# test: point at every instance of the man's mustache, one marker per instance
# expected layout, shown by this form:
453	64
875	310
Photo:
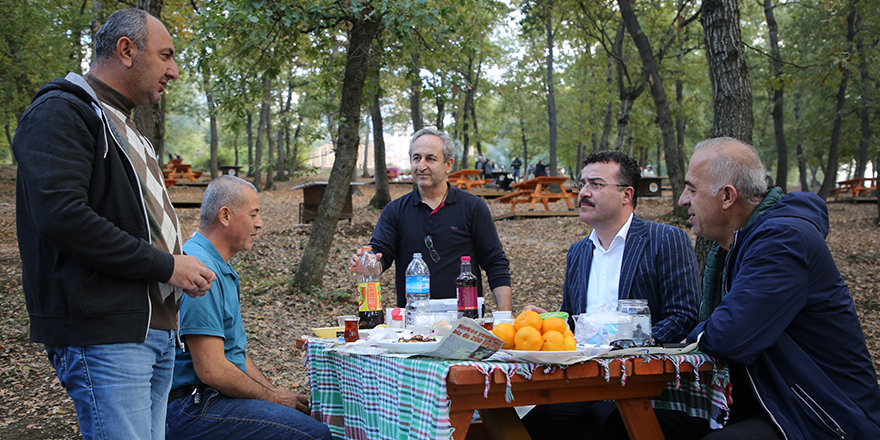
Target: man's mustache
586	201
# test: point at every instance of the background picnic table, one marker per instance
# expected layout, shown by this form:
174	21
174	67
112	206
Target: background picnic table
34	406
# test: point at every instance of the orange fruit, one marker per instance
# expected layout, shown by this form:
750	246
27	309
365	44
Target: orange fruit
528	318
507	333
570	343
553	341
554	323
527	338
568	332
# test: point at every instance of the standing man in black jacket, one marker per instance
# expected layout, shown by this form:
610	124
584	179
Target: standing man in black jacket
100	244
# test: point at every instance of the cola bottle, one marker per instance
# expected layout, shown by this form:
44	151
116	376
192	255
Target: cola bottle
466	290
369	290
418	288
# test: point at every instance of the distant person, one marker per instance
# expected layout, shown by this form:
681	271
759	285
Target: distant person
489	170
100	244
479	166
442	223
218	391
516	164
530	172
775	307
648	171
624	257
540	169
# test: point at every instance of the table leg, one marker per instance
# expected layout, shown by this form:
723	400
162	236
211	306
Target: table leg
639	419
504	424
461	422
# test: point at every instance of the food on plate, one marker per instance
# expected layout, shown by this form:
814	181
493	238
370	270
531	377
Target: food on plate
528	318
528	338
418	338
506	333
532	333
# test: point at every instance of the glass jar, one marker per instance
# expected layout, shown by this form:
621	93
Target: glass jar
641	317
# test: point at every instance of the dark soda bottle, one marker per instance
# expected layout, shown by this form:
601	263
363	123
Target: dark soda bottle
370	309
466	290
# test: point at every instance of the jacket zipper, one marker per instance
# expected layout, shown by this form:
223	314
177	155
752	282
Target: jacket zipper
761	401
110	128
820	413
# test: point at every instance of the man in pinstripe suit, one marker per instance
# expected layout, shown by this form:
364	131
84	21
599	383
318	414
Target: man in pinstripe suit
624	257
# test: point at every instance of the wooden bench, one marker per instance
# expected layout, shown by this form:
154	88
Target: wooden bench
856	187
537	190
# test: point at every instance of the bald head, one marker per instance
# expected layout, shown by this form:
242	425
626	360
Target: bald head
733	162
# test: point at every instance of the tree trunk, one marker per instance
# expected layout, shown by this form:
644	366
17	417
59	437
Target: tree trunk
214	134
258	148
270	160
831	168
661	104
801	159
310	272
366	173
865	111
551	95
525	145
382	196
609	107
728	73
250	142
680	124
415	97
778	94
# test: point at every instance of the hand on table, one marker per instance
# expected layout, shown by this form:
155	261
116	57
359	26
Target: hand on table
535	309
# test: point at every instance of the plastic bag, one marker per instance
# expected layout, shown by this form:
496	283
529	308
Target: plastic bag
602	326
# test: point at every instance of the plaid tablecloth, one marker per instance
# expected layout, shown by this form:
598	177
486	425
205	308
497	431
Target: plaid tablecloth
381	397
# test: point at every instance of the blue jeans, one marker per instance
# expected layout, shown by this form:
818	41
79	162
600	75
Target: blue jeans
120	391
515	175
211	415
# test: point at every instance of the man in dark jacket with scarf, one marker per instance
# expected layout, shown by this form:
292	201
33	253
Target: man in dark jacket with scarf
102	268
775	307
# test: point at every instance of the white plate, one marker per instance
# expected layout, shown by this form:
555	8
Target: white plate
408	347
556	357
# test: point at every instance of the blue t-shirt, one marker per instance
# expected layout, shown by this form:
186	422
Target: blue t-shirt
218	313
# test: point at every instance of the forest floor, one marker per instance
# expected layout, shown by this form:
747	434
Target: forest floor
34	406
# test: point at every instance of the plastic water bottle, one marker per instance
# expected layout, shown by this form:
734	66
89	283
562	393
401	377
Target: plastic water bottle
466	291
369	290
641	316
418	291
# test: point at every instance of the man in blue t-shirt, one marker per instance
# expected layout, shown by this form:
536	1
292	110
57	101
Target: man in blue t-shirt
218	391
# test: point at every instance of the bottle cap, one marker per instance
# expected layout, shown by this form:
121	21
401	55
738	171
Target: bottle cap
417	255
465	258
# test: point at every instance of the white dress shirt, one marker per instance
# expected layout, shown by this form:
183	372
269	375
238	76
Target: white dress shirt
604	282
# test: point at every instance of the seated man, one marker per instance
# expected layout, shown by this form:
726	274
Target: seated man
775	307
624	257
218	391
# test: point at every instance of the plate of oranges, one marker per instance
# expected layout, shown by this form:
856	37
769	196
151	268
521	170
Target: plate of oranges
532	338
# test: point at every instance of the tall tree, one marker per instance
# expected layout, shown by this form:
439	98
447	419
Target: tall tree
830	178
778	97
729	75
661	103
382	195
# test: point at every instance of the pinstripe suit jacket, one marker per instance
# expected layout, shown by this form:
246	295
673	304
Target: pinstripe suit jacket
658	265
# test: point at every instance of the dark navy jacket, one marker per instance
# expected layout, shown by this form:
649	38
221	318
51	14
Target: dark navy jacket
658	265
789	318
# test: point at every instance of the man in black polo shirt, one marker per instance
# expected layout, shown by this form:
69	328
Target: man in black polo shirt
442	223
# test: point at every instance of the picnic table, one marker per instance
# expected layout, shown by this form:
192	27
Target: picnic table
466	179
389	397
175	169
855	186
539	189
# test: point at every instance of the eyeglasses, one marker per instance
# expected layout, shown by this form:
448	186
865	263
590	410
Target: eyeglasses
429	242
594	185
623	344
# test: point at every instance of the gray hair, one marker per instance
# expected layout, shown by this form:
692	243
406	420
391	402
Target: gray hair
448	143
745	172
131	23
223	191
